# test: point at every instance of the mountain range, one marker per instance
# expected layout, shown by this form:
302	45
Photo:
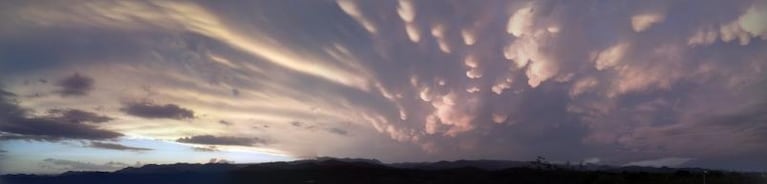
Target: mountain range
345	170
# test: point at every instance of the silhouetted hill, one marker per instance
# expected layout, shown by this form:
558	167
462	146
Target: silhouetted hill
332	170
180	168
480	164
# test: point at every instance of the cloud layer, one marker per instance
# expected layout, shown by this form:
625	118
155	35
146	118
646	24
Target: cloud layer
399	80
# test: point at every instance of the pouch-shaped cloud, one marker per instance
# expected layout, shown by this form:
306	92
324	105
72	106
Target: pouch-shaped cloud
413	32
643	21
351	8
499	118
406	10
455	112
610	56
521	22
753	21
468	37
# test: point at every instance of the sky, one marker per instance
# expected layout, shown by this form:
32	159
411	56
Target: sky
101	85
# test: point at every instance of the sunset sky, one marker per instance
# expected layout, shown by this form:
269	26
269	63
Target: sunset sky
101	85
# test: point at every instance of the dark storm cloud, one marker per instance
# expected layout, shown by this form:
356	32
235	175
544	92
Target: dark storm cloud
18	124
78	116
51	129
75	85
221	140
155	111
115	146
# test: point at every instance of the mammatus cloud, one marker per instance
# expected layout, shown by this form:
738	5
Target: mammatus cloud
353	10
75	85
154	111
222	140
115	146
643	21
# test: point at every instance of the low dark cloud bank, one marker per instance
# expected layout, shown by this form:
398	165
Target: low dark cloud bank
115	146
221	140
79	116
17	123
157	111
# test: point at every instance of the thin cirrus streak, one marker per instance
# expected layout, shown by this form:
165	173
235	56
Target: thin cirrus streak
429	79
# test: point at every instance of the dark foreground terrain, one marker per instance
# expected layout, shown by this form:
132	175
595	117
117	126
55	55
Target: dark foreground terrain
371	171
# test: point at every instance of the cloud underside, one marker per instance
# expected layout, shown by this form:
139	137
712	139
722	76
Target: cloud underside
436	80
